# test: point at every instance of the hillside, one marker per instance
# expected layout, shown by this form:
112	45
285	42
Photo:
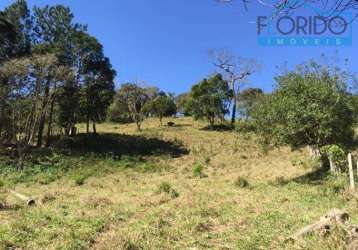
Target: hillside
178	187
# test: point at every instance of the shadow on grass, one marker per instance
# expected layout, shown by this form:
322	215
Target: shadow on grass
118	144
316	177
179	125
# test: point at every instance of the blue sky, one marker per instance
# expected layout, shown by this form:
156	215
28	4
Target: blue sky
166	42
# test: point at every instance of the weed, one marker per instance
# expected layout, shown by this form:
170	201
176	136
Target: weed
198	171
79	179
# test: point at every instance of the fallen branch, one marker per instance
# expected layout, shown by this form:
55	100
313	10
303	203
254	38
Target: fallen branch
324	225
29	201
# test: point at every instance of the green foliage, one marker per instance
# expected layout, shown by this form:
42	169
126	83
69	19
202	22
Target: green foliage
131	99
79	179
308	107
198	171
245	126
210	99
161	106
247	99
335	153
181	102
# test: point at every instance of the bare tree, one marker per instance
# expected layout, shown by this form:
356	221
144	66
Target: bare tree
236	70
284	7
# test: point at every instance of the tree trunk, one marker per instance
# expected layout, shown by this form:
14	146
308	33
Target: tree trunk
87	124
138	125
49	128
41	130
94	128
43	115
332	166
233	115
20	154
212	121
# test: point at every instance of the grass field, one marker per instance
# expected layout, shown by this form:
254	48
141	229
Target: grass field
178	187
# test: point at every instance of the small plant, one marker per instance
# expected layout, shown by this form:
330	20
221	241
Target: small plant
79	179
241	182
198	171
166	187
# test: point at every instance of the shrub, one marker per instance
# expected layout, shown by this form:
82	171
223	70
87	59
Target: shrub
336	154
309	106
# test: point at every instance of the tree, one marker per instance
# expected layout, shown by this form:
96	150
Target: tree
133	99
15	32
55	32
28	78
286	7
180	102
97	89
161	106
308	107
210	99
236	71
246	100
16	40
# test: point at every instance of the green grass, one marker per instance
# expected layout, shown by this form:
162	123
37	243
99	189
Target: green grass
103	195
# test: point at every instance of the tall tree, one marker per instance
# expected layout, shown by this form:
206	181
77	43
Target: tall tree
15	34
236	71
54	32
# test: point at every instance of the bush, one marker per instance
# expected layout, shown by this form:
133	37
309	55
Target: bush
308	107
